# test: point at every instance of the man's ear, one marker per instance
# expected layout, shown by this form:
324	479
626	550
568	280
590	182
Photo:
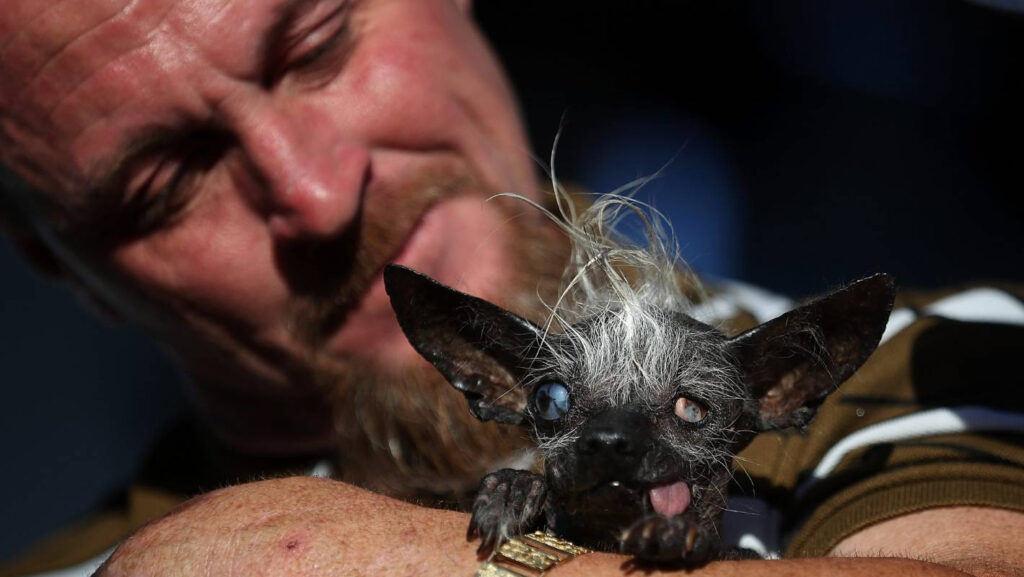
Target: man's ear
482	349
793	362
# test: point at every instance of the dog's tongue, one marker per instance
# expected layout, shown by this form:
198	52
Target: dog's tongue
670	500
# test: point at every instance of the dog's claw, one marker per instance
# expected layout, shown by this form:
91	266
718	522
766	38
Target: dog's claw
661	539
473	530
484	547
509	503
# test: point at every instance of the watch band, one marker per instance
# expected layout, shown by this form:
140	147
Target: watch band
529	556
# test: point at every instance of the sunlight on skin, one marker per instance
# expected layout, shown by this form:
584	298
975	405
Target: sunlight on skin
304	526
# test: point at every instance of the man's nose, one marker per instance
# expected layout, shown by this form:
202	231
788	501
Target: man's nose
312	179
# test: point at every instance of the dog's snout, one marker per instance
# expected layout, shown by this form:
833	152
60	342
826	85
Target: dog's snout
615	434
615	441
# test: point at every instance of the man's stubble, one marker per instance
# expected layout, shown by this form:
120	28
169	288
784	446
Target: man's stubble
404	430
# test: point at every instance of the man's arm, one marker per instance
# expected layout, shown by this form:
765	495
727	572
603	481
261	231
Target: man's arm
980	541
309	526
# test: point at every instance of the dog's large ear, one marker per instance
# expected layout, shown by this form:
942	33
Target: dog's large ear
482	349
793	362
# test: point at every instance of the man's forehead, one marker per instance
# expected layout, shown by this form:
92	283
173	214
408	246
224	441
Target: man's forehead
82	75
39	36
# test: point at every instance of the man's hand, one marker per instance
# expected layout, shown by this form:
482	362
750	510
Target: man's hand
310	526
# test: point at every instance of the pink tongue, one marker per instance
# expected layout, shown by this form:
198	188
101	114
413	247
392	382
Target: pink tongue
670	500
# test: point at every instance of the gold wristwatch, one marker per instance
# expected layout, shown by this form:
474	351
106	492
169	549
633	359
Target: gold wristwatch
529	556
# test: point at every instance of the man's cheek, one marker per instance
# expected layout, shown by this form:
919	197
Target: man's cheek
399	71
399	92
212	262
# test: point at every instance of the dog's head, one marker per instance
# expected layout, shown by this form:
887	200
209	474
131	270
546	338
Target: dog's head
639	409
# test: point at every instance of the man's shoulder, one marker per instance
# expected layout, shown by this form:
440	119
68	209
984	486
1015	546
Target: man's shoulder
928	421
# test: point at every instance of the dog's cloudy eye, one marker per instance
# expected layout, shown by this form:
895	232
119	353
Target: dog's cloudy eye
690	411
551	401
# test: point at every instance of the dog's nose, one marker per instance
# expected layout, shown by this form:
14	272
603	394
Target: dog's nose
618	442
615	434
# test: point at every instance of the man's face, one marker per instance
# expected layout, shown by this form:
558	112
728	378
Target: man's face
234	175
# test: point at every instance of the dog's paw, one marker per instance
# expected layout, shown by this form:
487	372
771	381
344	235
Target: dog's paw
509	503
660	539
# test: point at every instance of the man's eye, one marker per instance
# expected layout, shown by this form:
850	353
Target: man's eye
165	177
152	200
317	45
162	192
309	53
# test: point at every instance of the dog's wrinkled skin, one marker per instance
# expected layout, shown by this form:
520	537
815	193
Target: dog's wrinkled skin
638	413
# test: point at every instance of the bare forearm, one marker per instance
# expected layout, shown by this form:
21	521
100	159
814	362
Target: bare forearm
296	526
305	526
606	564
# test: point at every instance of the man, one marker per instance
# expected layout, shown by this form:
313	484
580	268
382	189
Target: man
286	297
233	177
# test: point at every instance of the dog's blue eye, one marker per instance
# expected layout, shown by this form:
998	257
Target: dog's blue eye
551	401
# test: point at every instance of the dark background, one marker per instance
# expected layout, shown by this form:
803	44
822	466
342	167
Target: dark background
799	144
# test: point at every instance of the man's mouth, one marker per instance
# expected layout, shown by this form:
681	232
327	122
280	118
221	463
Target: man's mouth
451	237
349	272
